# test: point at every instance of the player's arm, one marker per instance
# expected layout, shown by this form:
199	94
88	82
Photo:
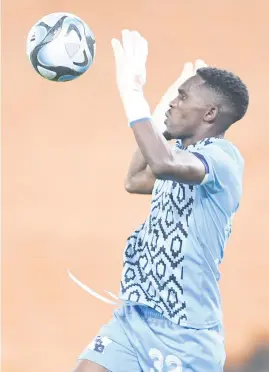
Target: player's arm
130	57
140	179
164	162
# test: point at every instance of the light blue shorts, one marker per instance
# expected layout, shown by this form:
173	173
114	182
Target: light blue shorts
140	339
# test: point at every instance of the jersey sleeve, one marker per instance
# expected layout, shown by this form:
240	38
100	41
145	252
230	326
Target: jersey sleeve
223	167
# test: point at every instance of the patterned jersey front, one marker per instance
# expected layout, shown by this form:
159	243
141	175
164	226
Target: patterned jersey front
171	260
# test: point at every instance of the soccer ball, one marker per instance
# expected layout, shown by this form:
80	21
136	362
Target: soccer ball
61	47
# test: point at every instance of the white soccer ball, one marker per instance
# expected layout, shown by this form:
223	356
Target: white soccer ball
61	47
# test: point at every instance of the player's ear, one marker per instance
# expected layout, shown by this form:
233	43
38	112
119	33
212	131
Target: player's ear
211	114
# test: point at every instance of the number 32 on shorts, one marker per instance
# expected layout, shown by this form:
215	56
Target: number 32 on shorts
169	363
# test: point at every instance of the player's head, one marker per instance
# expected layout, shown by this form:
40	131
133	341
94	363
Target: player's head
207	104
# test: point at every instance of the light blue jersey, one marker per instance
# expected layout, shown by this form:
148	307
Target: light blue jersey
171	261
170	318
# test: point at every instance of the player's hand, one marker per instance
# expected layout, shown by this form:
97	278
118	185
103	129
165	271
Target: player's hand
130	59
188	71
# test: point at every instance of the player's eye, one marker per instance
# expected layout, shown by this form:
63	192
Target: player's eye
182	97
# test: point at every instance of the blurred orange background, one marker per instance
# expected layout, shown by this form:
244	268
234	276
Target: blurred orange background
66	149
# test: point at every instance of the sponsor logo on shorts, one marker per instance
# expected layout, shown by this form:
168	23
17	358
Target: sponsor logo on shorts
99	344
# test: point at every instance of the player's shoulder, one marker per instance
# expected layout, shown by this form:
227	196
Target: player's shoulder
230	149
222	150
224	162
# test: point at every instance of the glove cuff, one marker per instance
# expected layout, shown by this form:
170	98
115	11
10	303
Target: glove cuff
136	107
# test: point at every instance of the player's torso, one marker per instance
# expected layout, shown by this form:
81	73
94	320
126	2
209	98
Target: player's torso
171	261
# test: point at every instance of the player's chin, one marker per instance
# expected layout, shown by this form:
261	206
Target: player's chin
168	124
167	135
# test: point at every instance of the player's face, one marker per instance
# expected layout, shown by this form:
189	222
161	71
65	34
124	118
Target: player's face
187	110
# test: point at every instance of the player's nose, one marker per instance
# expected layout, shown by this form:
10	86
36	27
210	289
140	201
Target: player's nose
173	103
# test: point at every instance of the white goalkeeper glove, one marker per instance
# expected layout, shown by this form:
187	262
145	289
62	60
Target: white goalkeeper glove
130	59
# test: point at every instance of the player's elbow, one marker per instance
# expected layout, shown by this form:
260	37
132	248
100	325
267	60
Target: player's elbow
141	183
129	186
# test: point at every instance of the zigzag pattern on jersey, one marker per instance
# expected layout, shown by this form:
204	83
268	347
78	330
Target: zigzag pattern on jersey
153	271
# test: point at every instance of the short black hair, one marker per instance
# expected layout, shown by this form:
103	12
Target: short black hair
230	87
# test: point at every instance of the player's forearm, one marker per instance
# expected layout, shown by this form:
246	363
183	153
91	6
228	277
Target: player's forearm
164	163
137	164
153	146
